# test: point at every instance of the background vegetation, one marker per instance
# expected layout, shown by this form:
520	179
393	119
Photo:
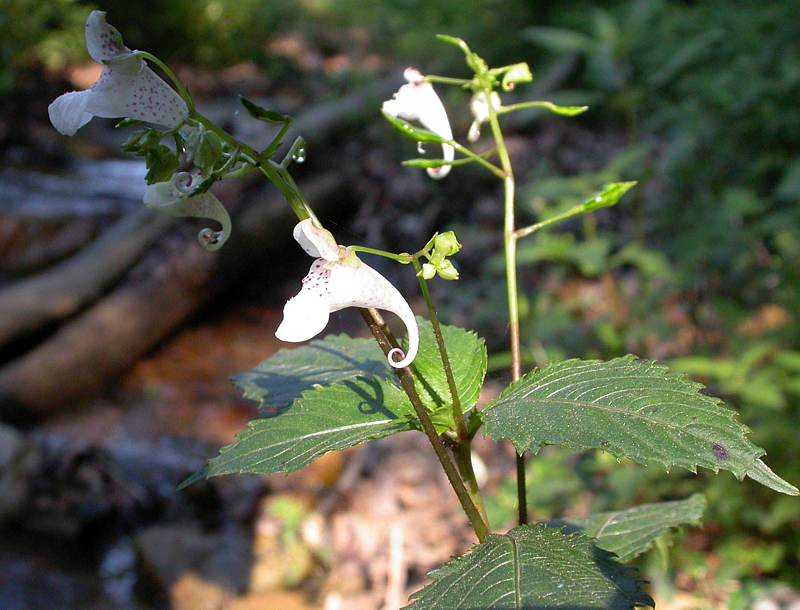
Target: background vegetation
701	266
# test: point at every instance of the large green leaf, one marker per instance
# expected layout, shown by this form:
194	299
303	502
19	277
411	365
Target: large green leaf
340	392
629	407
328	419
467	352
628	533
279	380
533	566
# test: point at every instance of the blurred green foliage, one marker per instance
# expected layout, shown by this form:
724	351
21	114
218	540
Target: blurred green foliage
699	264
702	267
36	34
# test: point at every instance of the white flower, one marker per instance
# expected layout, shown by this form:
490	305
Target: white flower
480	112
126	88
417	101
339	279
172	197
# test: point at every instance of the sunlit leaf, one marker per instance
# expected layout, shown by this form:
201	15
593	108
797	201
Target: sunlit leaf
629	407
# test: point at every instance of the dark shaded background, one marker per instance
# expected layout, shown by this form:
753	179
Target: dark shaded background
698	266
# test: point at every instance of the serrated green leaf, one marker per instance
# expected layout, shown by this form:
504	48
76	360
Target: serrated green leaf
262	114
609	196
279	380
533	566
629	533
628	407
282	378
339	416
467	352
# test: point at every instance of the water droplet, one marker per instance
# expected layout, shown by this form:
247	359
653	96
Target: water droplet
299	155
420	148
598	199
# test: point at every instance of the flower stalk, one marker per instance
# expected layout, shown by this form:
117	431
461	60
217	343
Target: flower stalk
512	293
407	382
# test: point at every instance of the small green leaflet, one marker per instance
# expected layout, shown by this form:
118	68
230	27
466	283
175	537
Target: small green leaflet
262	114
630	532
414	133
608	197
533	566
628	407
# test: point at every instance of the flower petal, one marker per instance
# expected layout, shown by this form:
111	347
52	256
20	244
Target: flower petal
306	314
356	284
103	41
315	241
68	112
169	197
128	88
480	111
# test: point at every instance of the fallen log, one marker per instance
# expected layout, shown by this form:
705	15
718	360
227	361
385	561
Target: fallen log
164	288
64	289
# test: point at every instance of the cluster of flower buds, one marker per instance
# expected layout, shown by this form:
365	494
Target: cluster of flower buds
437	252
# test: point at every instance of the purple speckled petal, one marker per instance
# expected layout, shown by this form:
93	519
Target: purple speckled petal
103	41
130	89
306	314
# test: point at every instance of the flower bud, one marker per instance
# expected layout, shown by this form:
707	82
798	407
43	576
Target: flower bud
447	271
446	244
428	271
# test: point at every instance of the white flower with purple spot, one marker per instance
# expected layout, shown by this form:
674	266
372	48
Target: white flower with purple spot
174	197
339	279
126	88
417	101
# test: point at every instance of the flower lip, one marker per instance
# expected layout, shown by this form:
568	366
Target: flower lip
173	197
341	280
418	101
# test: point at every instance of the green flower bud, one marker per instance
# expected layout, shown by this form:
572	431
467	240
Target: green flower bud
447	271
446	244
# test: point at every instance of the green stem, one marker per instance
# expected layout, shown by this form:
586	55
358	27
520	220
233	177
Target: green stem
455	400
407	381
402	258
510	243
463	454
274	173
477	158
447	80
529	230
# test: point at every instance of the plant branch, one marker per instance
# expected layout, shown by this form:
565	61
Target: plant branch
510	243
402	258
407	382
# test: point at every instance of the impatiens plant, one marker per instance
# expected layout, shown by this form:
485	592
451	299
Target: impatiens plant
339	392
